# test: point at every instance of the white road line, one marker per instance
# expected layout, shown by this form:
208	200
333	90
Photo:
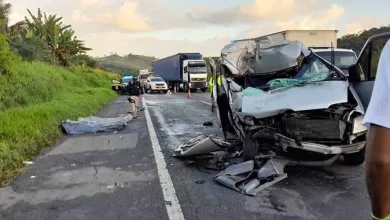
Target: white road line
171	202
205	103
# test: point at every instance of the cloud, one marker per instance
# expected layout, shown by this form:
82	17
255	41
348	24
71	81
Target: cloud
363	23
253	12
152	46
128	19
78	16
90	2
317	20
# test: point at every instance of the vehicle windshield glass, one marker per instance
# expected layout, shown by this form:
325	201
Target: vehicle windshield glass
197	67
127	79
156	79
313	69
342	59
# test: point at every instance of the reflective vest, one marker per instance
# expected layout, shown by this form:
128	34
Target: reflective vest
211	83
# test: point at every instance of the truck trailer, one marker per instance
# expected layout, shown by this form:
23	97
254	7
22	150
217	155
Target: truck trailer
183	71
310	38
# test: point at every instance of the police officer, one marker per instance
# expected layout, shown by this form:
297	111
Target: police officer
135	91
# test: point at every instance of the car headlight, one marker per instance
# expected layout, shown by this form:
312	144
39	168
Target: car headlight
357	125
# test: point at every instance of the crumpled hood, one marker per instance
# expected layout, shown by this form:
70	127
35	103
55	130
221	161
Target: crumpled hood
300	98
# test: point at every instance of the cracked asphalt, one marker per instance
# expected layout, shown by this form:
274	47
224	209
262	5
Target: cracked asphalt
113	175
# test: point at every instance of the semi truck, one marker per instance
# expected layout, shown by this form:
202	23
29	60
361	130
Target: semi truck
309	38
183	71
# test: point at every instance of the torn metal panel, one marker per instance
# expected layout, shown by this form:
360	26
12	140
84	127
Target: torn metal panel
272	168
237	169
197	146
232	182
266	185
272	103
273	58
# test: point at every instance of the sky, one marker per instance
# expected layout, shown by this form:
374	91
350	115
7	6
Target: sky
164	27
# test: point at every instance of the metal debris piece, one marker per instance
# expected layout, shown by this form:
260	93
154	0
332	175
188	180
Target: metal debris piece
251	185
244	178
32	177
237	169
28	162
208	123
200	182
197	146
232	182
266	185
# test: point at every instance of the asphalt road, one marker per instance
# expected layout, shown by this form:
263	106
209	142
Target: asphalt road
123	176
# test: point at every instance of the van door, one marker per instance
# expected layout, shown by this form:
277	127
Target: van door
364	71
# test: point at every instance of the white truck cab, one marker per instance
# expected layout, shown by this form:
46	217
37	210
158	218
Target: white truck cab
195	74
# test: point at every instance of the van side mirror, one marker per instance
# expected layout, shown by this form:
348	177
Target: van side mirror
354	74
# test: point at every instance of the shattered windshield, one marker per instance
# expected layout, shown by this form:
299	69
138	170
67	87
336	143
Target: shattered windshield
342	59
312	69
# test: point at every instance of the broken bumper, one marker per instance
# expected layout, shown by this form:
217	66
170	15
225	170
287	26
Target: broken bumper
286	142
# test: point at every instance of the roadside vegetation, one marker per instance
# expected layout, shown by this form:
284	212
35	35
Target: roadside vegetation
45	77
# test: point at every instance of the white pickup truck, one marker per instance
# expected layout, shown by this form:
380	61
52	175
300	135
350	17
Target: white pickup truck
343	58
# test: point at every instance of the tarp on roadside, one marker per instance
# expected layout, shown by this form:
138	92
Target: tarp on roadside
94	124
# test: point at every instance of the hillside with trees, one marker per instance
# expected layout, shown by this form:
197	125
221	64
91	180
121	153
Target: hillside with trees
46	77
125	64
356	41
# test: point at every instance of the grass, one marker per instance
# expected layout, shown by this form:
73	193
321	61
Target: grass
35	100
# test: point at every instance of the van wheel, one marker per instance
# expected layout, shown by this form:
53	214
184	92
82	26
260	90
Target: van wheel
355	159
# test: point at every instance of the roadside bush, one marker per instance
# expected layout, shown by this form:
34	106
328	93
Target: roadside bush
8	60
33	102
31	49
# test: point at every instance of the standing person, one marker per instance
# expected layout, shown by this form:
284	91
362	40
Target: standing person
211	83
134	92
141	91
377	118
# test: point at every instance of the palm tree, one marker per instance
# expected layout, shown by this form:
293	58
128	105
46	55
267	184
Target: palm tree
5	10
60	38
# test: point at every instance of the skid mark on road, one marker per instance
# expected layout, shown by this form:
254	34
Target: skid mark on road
171	202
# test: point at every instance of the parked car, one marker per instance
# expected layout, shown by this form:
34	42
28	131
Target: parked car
125	80
307	109
156	84
115	84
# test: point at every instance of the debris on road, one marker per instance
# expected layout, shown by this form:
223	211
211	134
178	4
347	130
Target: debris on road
141	108
247	177
208	123
200	182
32	177
94	124
28	162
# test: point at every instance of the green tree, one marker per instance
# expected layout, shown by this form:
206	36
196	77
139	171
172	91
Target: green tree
5	10
60	38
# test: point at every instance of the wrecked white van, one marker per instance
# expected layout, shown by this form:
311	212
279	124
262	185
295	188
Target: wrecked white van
287	100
